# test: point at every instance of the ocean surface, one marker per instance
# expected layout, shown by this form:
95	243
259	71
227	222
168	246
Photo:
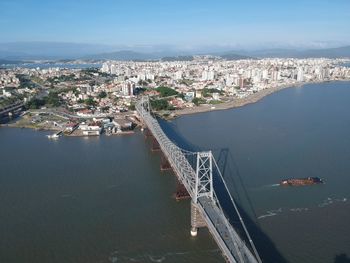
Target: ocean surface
297	132
105	199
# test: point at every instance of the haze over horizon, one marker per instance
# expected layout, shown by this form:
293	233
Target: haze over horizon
176	25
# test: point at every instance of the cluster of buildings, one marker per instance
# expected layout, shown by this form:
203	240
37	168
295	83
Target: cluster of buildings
111	91
238	78
8	79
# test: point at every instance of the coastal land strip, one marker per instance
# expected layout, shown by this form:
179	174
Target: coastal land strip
238	102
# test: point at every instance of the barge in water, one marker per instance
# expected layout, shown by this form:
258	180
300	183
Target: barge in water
301	181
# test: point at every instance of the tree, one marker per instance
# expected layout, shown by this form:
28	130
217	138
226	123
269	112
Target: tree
52	99
198	101
102	95
166	91
161	104
76	91
208	92
90	102
35	103
132	107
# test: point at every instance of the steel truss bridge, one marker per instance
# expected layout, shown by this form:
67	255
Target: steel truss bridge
195	171
11	107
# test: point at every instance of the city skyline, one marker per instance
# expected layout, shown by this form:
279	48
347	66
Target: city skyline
178	24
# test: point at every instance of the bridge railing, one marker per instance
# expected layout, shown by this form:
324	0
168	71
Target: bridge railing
174	154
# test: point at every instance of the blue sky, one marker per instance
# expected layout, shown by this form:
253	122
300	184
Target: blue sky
181	23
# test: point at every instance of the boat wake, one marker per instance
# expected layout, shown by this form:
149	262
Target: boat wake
330	201
270	213
117	256
326	202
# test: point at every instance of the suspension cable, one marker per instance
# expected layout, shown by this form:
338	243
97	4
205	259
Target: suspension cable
239	215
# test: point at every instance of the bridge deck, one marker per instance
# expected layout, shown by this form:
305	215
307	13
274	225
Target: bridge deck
228	240
224	234
11	108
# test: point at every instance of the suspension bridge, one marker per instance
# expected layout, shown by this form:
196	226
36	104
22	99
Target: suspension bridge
195	171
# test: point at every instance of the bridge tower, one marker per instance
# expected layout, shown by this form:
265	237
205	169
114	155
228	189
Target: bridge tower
146	107
203	188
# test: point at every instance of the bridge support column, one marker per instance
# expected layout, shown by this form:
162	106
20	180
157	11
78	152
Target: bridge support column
155	145
197	219
147	133
181	192
164	163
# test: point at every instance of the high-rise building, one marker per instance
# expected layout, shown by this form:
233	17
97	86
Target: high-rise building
300	74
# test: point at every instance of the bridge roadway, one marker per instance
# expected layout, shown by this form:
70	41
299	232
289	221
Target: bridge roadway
11	108
231	244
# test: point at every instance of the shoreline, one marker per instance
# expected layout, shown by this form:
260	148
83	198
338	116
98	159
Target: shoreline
232	104
237	102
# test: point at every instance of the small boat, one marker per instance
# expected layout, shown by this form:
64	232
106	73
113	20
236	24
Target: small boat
301	181
53	136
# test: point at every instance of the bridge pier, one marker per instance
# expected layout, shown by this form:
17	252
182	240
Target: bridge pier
164	163
197	219
147	133
155	145
181	192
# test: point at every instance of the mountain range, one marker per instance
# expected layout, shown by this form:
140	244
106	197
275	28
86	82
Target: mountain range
20	51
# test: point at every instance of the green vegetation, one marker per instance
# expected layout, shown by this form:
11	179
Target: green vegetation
35	103
208	92
160	104
62	78
76	91
51	100
90	71
25	81
198	101
90	102
7	101
215	102
166	91
187	82
178	58
132	106
181	95
102	95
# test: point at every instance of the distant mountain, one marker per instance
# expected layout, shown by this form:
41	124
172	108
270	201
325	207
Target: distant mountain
49	50
178	58
9	62
310	53
59	50
233	56
122	55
